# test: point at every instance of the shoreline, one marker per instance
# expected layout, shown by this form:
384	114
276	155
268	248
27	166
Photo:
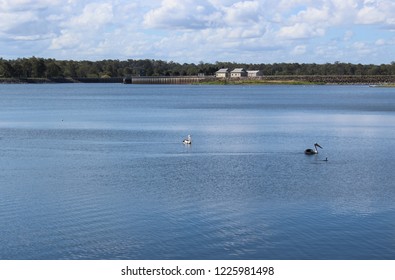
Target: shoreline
67	80
380	81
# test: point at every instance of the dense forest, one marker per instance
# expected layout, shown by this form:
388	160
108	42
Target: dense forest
50	68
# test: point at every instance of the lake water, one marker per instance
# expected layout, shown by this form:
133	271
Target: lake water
99	171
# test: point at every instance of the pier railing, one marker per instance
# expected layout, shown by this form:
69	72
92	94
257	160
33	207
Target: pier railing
166	80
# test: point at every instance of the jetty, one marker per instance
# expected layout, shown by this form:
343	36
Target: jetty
176	80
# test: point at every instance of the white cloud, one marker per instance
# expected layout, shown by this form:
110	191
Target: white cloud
190	14
362	48
243	12
85	30
300	31
345	9
188	30
187	14
313	15
285	5
17	5
377	12
370	15
10	20
66	40
94	16
299	50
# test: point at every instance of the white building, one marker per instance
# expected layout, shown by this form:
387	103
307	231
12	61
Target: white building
222	73
238	72
255	73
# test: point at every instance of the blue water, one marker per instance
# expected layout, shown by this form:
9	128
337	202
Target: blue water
99	171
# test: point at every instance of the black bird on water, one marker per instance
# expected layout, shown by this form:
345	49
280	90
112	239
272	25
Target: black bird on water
313	151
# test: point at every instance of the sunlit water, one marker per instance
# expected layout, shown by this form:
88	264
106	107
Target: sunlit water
100	172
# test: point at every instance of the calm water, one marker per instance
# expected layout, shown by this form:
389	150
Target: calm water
100	172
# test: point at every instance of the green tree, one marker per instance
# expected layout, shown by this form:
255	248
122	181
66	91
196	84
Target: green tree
70	69
53	70
38	67
6	69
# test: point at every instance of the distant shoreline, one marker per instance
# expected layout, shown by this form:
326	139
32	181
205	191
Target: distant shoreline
379	80
58	80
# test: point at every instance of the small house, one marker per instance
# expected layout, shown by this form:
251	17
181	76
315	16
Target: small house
255	73
222	73
238	73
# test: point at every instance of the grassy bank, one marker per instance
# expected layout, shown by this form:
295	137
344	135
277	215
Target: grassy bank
257	82
308	80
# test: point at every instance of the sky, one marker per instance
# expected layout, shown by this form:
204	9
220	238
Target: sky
194	31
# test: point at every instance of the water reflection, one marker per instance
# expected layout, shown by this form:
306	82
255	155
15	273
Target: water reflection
113	179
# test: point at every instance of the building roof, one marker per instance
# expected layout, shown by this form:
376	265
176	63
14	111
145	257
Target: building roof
223	70
238	70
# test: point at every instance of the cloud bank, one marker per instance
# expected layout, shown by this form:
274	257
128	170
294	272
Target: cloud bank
357	31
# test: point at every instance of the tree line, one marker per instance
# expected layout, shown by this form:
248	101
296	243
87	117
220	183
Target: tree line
50	68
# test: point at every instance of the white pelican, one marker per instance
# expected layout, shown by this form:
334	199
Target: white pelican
188	140
311	151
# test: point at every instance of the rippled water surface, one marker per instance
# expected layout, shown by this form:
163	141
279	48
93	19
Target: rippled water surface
100	172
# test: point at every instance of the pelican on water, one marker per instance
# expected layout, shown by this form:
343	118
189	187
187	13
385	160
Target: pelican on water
188	140
311	151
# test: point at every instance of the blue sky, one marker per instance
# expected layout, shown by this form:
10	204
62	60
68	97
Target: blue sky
253	31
